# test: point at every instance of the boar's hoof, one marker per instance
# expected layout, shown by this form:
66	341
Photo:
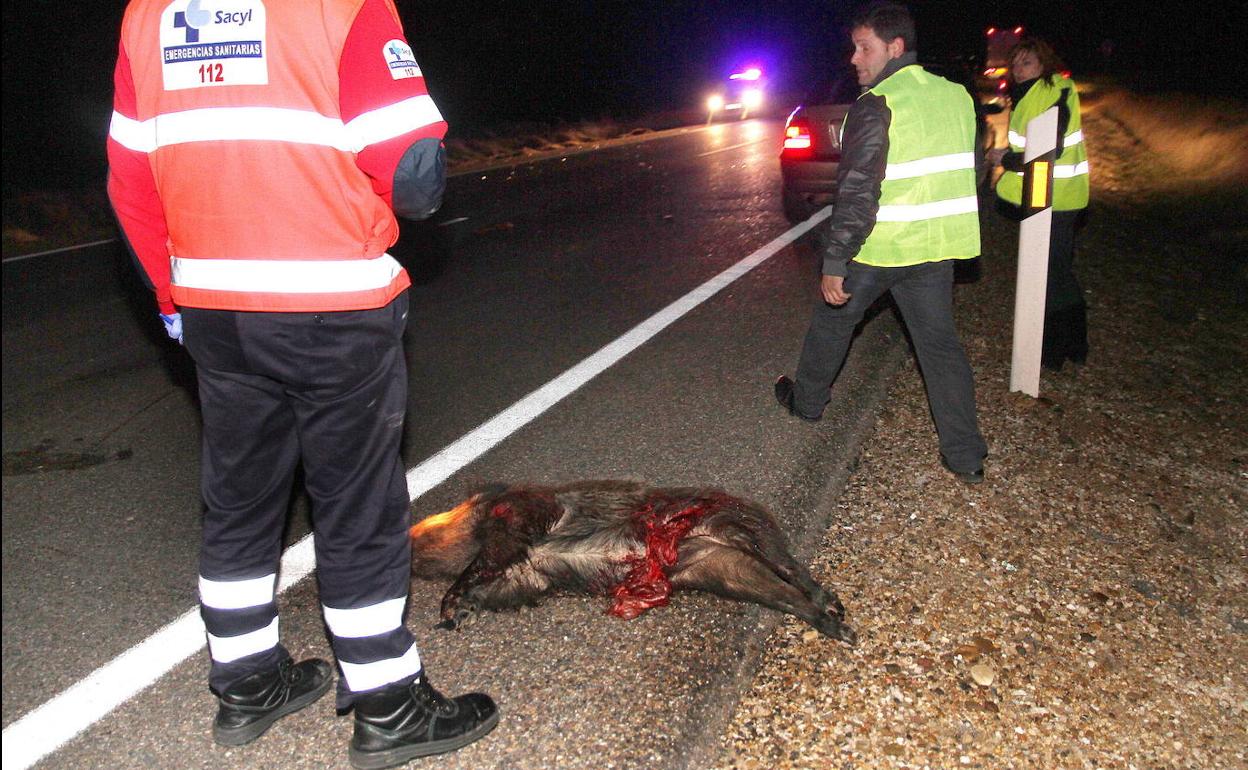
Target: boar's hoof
831	625
458	617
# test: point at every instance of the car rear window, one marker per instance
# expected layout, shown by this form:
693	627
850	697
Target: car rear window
838	88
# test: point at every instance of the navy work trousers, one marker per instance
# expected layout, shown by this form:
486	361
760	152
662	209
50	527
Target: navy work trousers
924	294
328	391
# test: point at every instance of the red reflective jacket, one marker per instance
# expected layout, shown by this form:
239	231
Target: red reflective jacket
253	147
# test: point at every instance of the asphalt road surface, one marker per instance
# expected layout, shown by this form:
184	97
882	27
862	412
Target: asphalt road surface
526	272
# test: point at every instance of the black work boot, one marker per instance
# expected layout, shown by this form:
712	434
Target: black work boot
399	724
252	704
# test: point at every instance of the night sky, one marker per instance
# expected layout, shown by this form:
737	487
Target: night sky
489	64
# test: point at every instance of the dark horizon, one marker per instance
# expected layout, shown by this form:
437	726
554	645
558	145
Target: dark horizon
557	62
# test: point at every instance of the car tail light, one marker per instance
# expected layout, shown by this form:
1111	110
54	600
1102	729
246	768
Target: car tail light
797	137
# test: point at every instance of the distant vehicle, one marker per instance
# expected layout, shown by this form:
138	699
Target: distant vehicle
739	97
995	76
812	137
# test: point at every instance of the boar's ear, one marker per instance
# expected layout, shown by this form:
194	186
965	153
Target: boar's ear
490	491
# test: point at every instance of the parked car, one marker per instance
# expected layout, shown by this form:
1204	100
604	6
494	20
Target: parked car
812	147
812	144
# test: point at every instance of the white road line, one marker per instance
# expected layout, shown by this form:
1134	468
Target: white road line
51	725
439	467
733	147
20	257
454	221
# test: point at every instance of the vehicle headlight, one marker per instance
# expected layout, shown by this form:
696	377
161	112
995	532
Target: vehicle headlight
751	97
715	103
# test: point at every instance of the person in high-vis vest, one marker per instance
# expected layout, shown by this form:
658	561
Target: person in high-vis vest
906	209
258	154
1039	85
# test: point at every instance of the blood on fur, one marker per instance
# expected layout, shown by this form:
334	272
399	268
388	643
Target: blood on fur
646	584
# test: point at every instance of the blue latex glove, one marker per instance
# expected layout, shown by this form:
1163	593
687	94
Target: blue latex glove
173	326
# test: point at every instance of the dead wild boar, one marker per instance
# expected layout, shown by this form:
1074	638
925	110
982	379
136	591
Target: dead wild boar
508	546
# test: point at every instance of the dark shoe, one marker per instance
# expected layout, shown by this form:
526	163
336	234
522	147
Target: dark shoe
1077	337
402	723
970	477
784	395
252	704
1055	341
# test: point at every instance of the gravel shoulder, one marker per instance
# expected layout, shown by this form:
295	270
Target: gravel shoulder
1086	607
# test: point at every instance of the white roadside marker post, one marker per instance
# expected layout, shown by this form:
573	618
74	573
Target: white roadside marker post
1033	253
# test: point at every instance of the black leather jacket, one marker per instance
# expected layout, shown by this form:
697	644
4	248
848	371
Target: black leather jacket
864	157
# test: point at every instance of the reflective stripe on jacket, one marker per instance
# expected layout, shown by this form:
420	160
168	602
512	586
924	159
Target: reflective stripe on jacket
928	206
240	118
1070	172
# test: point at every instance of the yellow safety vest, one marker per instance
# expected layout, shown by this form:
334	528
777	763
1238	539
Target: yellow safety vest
928	207
1070	172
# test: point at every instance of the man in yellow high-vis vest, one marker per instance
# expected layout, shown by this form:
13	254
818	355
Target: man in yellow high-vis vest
905	209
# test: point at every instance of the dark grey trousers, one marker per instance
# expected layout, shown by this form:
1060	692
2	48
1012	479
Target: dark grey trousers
924	294
327	391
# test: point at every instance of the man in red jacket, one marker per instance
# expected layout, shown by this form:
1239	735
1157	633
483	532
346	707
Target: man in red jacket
257	158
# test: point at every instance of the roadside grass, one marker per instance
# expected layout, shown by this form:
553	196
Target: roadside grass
521	141
1204	139
44	219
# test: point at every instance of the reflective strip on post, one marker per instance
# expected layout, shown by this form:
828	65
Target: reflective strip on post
1038	183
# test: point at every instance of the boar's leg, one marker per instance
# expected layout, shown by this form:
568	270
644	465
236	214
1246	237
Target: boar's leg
751	530
518	585
500	577
774	552
711	566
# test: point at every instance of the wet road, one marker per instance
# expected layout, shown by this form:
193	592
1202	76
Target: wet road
526	272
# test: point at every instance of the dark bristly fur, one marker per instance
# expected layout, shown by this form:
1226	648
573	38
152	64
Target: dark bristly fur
508	546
